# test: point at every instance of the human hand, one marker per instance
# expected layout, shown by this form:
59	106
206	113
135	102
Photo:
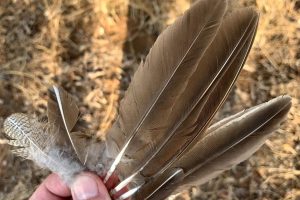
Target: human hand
87	186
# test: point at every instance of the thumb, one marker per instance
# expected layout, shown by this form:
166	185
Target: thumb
88	186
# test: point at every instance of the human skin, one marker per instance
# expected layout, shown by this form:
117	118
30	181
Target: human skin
86	186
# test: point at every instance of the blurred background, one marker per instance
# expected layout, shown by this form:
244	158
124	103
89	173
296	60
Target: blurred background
93	47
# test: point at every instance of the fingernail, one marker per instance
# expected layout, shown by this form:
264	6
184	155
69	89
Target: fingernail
85	187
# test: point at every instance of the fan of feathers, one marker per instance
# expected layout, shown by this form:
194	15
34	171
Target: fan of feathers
162	141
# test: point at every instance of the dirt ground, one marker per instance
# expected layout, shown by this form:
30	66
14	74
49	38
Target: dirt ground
92	49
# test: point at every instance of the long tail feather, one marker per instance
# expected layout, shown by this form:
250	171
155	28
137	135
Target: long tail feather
227	143
213	98
242	150
236	44
172	59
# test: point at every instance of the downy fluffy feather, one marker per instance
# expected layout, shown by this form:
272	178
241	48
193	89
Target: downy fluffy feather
38	141
55	145
160	142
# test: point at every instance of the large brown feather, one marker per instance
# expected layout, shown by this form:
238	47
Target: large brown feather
242	150
214	97
217	76
227	143
154	88
231	47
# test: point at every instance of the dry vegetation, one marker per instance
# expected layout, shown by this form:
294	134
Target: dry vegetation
92	48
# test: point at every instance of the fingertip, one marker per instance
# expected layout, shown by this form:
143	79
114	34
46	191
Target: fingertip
43	193
89	186
56	186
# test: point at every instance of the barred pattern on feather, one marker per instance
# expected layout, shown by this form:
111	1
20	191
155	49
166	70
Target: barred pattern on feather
163	140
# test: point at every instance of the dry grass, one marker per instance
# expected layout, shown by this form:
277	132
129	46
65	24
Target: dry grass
92	48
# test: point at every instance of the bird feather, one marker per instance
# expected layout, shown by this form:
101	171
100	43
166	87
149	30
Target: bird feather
226	144
154	87
63	112
161	141
37	141
213	87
